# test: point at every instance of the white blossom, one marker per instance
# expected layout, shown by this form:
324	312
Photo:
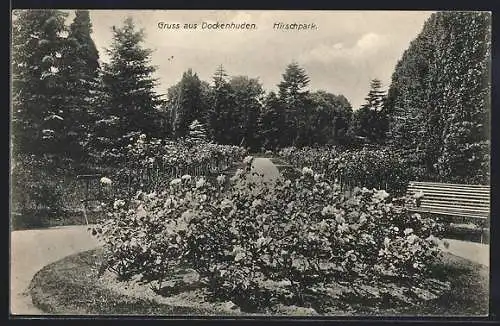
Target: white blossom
118	203
221	178
168	202
175	181
256	203
248	159
327	210
200	183
418	195
226	203
307	171
106	181
381	194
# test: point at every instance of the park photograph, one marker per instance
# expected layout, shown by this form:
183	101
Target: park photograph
250	164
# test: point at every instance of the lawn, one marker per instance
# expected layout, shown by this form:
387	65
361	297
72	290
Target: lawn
72	286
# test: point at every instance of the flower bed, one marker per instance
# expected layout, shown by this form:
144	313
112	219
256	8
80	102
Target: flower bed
254	243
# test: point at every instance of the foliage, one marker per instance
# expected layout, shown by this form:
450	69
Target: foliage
370	121
130	103
55	82
271	122
236	110
81	73
329	119
187	103
248	93
221	111
254	241
293	96
197	131
43	190
148	164
383	168
38	119
439	98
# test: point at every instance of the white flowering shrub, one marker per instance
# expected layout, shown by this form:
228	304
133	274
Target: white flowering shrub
371	168
147	235
150	164
256	242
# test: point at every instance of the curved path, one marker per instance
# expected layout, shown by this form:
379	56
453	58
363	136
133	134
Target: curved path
31	250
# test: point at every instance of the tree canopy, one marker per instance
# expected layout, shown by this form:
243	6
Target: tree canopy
439	97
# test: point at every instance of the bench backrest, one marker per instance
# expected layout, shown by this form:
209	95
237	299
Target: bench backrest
453	199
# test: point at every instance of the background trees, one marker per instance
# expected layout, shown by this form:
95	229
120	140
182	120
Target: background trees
38	92
222	109
370	121
271	122
248	96
436	108
439	97
197	131
130	103
187	103
329	118
293	95
81	74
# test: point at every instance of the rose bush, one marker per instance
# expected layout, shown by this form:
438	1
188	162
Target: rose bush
256	242
372	168
149	164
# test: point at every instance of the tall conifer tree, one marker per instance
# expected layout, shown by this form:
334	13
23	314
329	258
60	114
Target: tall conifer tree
38	91
131	104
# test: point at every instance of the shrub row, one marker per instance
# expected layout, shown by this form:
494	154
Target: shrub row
372	168
149	164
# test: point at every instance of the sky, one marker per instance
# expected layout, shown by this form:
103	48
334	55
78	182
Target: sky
341	55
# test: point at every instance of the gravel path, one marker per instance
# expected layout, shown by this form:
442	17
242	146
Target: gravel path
33	249
265	166
476	252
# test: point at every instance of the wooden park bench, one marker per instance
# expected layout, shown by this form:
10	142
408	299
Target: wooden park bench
460	203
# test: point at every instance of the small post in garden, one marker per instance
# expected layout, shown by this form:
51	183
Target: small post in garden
87	178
